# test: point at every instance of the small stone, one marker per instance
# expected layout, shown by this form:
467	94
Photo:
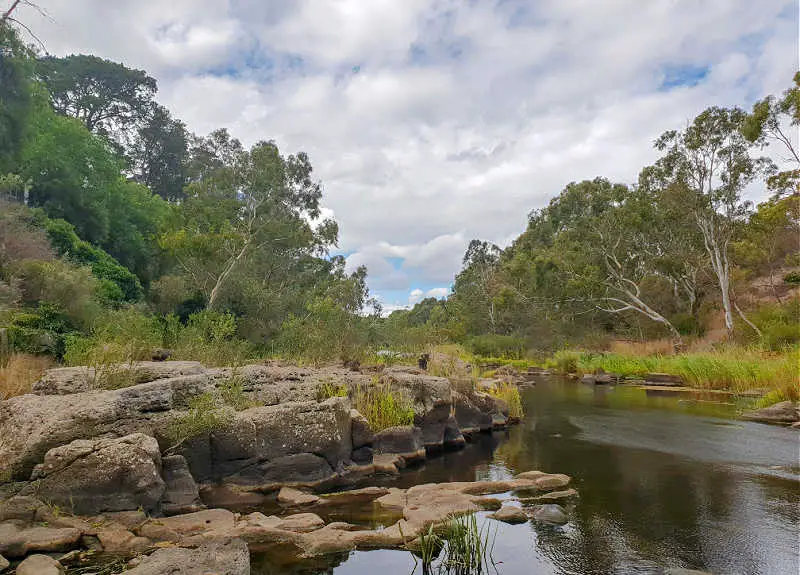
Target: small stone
510	514
291	497
122	542
40	565
553	481
550	513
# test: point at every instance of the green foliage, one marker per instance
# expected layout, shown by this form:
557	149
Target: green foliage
206	413
382	406
564	361
232	393
779	324
493	345
792	278
120	284
331	388
39	331
16	71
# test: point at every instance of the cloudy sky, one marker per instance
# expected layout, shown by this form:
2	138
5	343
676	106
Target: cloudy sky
432	122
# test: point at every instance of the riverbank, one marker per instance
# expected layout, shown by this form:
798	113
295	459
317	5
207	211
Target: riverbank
773	375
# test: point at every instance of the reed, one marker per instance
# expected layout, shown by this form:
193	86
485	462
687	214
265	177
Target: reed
382	406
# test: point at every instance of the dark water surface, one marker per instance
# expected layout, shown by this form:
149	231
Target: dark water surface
665	481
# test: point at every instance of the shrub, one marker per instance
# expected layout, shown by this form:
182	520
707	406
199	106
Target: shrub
564	361
103	265
205	414
20	372
792	278
211	338
382	406
492	345
232	393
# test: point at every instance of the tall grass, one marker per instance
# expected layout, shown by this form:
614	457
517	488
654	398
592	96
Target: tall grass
330	388
467	548
382	406
735	369
509	393
20	373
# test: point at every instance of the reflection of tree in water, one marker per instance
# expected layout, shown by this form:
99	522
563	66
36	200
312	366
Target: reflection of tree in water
636	506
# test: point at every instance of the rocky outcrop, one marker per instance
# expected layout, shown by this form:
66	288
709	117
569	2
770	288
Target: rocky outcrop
93	476
785	412
69	380
97	450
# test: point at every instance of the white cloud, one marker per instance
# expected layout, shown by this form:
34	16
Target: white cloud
432	122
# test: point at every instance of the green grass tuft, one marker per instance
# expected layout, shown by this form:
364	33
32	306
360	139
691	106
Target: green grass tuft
382	406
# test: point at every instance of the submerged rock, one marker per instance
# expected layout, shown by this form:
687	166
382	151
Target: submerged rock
510	514
550	513
93	476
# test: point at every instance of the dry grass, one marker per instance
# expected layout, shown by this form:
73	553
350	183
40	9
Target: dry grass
21	372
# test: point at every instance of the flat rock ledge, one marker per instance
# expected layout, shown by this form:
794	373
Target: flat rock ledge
783	413
218	540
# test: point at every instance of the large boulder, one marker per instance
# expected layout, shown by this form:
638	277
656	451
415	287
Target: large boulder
783	412
432	399
361	430
93	476
229	557
471	418
30	425
256	440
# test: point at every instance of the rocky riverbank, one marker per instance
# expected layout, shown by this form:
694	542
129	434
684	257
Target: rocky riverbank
174	438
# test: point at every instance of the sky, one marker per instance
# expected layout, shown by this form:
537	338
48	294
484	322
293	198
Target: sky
433	122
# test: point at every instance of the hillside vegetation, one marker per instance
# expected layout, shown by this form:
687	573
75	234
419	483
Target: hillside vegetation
121	232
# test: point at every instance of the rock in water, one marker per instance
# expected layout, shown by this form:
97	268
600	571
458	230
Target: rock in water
93	476
510	514
783	412
550	513
40	565
229	557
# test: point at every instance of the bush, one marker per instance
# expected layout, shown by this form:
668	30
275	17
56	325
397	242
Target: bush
70	289
792	278
779	324
211	338
564	361
103	265
382	406
491	345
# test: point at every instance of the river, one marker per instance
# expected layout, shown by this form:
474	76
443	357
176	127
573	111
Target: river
665	480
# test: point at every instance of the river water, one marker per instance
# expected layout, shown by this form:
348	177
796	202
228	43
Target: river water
666	481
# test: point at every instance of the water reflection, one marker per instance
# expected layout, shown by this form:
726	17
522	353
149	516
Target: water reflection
662	484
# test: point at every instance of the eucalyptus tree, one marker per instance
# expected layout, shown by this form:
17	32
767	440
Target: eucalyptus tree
713	160
248	234
777	120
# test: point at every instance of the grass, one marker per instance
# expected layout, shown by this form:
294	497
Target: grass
205	414
330	388
21	372
735	369
509	393
382	406
232	393
467	548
